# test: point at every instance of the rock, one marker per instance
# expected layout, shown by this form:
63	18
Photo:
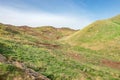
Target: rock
2	58
18	65
35	75
30	73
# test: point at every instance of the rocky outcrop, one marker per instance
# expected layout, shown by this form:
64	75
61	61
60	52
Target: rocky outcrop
2	58
30	73
34	75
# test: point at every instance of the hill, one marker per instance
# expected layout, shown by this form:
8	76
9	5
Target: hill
43	36
101	34
48	53
22	43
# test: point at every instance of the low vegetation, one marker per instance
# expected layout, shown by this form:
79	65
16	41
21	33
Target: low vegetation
61	53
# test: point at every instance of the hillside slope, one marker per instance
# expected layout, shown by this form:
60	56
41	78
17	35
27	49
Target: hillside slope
99	35
83	55
33	47
40	36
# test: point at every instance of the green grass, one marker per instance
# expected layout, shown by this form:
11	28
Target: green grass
38	51
54	64
99	31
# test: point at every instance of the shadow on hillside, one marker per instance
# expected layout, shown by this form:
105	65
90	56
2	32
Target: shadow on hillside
5	49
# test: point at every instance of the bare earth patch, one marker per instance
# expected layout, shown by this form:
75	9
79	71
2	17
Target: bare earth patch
111	64
2	58
74	56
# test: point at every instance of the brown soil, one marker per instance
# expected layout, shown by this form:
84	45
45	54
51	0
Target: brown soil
31	31
74	56
111	64
49	45
2	58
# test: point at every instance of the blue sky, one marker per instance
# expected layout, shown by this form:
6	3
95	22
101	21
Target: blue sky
75	14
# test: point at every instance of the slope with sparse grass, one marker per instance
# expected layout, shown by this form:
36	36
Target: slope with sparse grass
98	43
61	53
101	34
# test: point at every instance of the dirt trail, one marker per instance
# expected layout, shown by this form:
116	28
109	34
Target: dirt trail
48	45
111	64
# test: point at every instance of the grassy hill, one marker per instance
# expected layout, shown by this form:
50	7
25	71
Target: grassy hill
98	41
46	52
99	35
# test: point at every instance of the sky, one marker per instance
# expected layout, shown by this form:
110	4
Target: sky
75	14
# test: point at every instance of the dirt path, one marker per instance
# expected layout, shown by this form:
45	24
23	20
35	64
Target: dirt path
111	64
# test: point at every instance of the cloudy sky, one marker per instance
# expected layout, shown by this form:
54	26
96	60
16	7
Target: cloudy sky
75	14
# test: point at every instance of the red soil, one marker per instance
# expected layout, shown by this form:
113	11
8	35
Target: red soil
111	64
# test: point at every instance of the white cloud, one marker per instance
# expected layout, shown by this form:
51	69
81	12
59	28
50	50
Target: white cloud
32	18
